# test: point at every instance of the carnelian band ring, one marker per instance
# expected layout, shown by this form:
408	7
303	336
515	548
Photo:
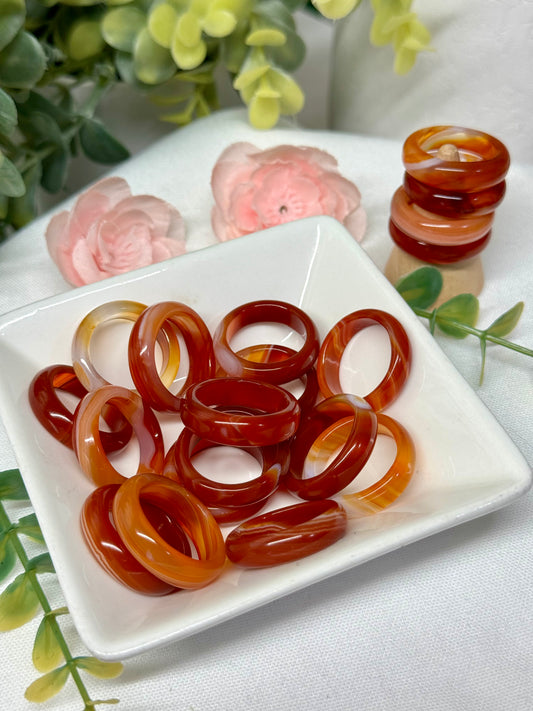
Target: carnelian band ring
272	353
274	461
58	420
437	253
155	553
384	492
271	371
102	538
142	354
286	534
435	229
452	204
336	340
224	515
485	159
348	462
219	410
86	436
110	311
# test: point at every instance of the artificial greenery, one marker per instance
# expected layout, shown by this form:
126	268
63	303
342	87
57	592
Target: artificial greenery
21	600
458	316
59	57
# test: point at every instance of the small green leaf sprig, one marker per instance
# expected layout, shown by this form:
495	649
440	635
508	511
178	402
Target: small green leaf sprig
458	316
22	598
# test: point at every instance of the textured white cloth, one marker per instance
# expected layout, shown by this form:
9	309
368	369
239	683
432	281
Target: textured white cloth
442	625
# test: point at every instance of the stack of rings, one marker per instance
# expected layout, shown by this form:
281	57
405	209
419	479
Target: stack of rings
444	211
157	528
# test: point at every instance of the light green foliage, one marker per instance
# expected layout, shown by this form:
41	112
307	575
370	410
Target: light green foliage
170	50
395	24
458	316
24	596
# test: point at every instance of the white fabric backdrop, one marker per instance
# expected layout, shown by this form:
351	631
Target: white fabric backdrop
442	625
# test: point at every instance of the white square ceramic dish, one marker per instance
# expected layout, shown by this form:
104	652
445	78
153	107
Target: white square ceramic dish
466	464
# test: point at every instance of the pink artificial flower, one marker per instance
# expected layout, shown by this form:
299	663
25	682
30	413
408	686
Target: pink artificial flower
109	231
256	189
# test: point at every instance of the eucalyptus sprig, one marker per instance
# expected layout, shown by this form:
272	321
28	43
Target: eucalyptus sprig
58	58
21	599
458	316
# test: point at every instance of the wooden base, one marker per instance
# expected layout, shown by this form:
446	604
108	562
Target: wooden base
459	278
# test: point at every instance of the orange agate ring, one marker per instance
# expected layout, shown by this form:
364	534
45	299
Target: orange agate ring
158	528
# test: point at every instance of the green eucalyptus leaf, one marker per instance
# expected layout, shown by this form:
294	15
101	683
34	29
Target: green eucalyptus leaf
102	670
4	207
275	13
420	288
153	64
37	103
99	145
463	308
46	654
42	128
289	55
41	564
11	182
8	557
85	40
8	113
47	686
22	62
12	486
23	209
18	603
506	322
55	170
12	15
121	26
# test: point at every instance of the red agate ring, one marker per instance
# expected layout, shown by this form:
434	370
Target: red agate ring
274	461
436	229
348	462
453	204
223	515
275	353
272	371
336	340
111	311
58	420
484	159
86	436
393	483
211	410
286	534
437	253
102	538
142	352
155	553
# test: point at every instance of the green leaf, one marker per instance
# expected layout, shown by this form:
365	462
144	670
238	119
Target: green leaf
153	64
22	62
121	26
506	322
463	308
37	103
11	182
46	654
8	113
55	170
99	145
12	486
421	288
18	603
41	564
29	526
8	557
85	40
102	670
23	209
12	14
290	55
47	686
